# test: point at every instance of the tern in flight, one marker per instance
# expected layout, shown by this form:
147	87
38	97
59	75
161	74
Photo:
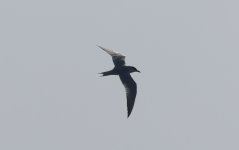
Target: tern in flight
124	73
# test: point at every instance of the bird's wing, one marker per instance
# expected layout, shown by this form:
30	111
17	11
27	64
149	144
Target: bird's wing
131	90
118	59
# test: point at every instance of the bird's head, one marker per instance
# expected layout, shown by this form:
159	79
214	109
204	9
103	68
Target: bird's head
133	69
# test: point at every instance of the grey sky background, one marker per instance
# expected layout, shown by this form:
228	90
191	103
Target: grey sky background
52	97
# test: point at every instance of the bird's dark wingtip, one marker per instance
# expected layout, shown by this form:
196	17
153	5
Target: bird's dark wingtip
129	112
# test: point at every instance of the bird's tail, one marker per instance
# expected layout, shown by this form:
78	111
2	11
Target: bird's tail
106	73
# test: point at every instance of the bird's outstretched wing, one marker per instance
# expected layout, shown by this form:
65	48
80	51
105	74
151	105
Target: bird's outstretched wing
118	59
131	90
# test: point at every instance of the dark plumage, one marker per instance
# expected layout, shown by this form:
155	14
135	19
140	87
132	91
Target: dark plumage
124	73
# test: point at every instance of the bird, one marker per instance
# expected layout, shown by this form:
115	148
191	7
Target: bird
123	71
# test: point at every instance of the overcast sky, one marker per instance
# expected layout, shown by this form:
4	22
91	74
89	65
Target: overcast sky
52	98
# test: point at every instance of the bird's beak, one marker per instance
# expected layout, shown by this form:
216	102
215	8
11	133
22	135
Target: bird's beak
138	71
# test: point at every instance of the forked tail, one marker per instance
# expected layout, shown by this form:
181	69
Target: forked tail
106	73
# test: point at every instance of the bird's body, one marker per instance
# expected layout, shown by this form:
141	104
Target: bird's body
118	70
124	73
